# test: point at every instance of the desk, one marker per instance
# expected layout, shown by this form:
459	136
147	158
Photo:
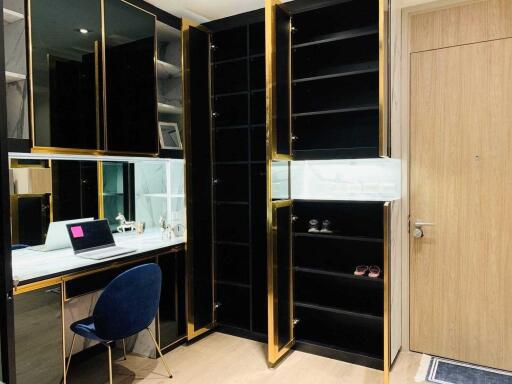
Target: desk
53	289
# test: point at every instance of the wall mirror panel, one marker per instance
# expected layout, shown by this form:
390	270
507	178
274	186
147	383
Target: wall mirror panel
45	191
66	57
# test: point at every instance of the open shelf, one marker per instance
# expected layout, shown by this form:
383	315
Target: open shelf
169	108
342	275
335	153
337	311
166	70
12	16
372	107
11	77
348	70
337	36
339	237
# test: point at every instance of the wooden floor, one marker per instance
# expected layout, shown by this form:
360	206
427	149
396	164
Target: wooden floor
224	359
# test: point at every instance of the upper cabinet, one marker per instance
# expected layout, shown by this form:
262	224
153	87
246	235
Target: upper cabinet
93	76
327	74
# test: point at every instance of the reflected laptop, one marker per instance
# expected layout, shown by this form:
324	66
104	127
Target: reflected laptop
57	236
94	240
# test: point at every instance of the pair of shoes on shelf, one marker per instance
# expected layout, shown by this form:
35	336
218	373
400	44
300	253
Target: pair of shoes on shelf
313	226
372	270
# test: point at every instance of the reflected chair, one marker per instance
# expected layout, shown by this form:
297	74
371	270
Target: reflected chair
15	247
126	307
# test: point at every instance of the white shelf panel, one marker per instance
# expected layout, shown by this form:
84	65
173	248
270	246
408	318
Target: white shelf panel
12	16
11	77
165	70
168	108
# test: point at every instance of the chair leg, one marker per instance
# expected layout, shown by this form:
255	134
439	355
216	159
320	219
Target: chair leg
124	349
109	362
160	353
70	354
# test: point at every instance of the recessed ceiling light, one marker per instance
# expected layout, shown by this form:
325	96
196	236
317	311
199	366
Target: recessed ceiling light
83	31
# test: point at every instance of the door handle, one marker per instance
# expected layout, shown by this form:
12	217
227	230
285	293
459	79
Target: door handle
418	228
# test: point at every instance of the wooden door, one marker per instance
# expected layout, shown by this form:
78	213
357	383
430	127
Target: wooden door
461	180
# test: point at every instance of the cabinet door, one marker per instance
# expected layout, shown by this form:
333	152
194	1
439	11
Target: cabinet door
65	73
200	283
130	71
280	282
278	75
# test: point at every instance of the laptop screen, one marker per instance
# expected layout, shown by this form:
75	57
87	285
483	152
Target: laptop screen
90	235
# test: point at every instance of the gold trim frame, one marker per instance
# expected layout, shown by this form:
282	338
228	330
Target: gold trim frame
275	354
81	151
189	278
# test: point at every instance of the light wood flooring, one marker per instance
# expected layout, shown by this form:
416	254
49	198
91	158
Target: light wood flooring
225	359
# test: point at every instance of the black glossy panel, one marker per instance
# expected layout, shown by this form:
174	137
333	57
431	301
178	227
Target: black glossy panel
230	77
38	327
336	93
131	78
65	63
234	307
232	144
282	94
337	330
233	183
344	293
199	197
233	263
314	25
230	44
231	110
283	266
33	219
233	225
363	219
172	309
75	189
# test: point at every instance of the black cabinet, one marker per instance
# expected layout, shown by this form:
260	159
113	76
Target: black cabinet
30	215
330	72
93	76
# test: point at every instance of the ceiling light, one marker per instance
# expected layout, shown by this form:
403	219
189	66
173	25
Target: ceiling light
83	31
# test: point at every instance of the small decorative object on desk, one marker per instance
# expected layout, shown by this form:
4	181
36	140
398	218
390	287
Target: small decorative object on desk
313	226
326	227
361	270
178	230
124	224
141	227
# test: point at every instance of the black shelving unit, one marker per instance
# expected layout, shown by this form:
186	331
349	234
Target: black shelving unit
339	314
335	81
238	105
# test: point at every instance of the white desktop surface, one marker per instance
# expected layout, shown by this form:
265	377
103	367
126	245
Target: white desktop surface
30	265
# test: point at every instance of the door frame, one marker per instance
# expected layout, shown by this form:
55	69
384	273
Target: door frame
400	117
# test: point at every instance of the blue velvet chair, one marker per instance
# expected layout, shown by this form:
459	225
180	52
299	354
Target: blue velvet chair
127	306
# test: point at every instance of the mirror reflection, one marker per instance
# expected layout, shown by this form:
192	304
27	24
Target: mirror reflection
123	192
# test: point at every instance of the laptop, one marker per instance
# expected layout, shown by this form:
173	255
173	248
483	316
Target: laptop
94	240
57	236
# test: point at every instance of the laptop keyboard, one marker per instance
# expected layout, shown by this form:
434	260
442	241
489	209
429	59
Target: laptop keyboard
105	253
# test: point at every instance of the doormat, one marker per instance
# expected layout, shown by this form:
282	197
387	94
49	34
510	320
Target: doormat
445	371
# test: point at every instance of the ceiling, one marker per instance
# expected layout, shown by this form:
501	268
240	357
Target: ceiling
206	10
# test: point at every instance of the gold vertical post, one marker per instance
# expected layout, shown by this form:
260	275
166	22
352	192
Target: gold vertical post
101	202
387	312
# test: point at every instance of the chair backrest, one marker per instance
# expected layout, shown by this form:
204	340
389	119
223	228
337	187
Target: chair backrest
129	303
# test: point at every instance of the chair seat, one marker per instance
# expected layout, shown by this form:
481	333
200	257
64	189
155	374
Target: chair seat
86	328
